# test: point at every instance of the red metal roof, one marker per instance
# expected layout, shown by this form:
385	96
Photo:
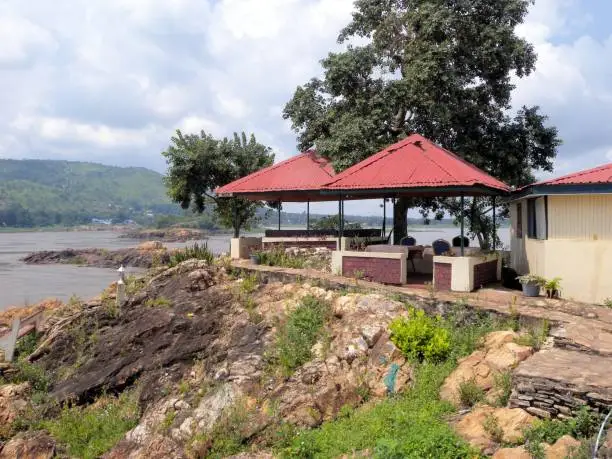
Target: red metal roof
304	172
601	174
415	162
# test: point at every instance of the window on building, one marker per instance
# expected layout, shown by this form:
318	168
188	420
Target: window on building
519	220
537	224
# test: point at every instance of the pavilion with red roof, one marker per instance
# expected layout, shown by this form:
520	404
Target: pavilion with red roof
413	167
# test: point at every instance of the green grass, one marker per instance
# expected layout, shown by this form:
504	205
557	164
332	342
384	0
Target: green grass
502	382
198	252
297	335
535	336
159	302
89	432
410	425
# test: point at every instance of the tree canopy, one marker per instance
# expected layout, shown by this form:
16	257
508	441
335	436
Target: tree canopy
441	68
198	164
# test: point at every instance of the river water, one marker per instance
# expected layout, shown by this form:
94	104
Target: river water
22	284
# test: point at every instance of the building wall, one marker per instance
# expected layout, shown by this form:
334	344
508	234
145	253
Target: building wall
587	217
578	248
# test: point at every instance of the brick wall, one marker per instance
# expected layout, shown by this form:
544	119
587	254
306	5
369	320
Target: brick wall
384	270
331	244
442	276
485	273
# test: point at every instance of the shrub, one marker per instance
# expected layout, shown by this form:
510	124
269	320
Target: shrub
535	336
37	377
299	333
502	382
608	303
470	393
89	432
277	256
492	427
421	337
199	252
159	302
249	284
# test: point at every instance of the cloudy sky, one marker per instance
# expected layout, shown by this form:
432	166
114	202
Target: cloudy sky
110	80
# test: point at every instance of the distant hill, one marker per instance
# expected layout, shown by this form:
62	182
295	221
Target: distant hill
48	192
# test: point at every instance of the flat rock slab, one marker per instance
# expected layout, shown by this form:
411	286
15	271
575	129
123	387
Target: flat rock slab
557	382
582	336
580	370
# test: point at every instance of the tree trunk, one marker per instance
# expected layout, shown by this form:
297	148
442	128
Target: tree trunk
236	230
400	219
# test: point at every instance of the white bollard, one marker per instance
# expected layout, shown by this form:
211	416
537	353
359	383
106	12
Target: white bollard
121	286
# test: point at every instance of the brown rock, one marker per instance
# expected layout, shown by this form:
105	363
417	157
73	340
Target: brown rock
512	453
31	445
13	401
563	447
512	421
499	354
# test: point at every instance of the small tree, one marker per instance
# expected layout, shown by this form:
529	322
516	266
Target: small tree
198	164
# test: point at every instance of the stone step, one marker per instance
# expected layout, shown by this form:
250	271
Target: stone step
557	382
584	337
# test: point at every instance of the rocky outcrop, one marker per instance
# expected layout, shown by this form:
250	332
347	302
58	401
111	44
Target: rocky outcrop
557	382
356	361
101	258
29	445
166	235
512	422
499	353
518	452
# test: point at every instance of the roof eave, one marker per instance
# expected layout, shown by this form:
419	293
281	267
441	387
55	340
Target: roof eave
567	189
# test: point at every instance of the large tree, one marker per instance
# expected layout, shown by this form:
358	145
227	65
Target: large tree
198	164
441	68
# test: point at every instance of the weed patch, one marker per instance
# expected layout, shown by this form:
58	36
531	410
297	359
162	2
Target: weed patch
502	383
279	257
297	335
470	393
535	336
89	432
421	337
159	302
492	427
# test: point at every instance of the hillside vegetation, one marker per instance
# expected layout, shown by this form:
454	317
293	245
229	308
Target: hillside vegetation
48	192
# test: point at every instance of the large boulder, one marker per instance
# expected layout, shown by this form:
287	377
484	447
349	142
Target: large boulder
518	452
30	445
499	353
511	421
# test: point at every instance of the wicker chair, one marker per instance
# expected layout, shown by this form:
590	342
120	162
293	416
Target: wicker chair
408	241
440	246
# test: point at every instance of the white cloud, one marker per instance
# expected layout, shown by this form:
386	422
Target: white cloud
19	38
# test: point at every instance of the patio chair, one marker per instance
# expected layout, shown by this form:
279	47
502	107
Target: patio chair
457	241
408	241
440	246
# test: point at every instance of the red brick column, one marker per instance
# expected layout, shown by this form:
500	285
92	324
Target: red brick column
442	276
383	270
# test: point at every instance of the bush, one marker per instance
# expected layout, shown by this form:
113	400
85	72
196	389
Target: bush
37	377
199	252
89	432
470	393
299	333
583	425
503	384
421	337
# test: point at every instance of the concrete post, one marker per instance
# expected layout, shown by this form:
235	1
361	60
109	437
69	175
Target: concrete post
9	341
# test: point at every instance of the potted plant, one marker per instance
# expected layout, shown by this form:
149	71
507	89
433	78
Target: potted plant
255	258
531	284
553	287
